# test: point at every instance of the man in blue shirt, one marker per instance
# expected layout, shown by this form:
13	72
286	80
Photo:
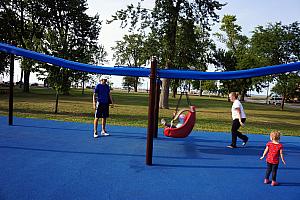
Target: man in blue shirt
101	100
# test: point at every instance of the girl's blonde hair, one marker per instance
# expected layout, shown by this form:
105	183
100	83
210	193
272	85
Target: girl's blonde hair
235	94
275	135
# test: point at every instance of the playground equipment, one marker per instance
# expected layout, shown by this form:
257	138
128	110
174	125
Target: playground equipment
189	120
184	130
154	74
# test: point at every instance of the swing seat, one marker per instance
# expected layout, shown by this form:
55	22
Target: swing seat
184	130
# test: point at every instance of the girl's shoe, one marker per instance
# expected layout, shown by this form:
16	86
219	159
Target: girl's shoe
231	147
274	183
267	181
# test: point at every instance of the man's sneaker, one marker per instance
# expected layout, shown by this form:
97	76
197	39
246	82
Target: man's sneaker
267	181
245	142
96	135
274	183
231	146
103	133
163	121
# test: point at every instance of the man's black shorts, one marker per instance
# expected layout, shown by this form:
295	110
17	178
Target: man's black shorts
102	110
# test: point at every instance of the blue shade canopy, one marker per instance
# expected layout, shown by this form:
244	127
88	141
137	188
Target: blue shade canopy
144	72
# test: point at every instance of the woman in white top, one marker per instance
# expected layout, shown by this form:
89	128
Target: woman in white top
238	119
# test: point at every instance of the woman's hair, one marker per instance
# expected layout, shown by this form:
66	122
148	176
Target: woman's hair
275	135
235	94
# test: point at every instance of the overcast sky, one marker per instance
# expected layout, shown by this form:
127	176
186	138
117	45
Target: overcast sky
249	13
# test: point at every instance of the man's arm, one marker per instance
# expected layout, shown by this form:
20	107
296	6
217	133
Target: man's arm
94	101
111	100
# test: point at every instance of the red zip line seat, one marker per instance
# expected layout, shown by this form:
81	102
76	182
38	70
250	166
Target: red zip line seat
184	130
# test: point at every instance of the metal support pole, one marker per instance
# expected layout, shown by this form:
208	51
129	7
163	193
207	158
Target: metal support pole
11	90
157	89
151	112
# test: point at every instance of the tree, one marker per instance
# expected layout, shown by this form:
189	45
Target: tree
287	86
96	56
233	38
129	82
239	53
225	61
193	50
279	44
7	35
70	34
210	86
26	19
164	20
130	52
269	43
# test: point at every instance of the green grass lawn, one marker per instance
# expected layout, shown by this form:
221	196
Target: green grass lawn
131	109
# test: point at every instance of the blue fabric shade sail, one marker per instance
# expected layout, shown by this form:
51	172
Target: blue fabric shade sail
145	72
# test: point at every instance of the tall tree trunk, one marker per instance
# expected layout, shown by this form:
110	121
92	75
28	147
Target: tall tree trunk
174	92
56	103
136	84
26	80
243	93
21	79
164	96
171	52
282	102
267	99
200	88
82	91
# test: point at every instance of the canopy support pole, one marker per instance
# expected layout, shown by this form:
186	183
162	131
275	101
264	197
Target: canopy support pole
11	90
151	112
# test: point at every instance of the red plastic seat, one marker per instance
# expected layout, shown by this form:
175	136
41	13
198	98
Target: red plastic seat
186	128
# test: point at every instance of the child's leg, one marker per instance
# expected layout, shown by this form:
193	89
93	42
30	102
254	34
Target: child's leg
169	125
274	172
269	169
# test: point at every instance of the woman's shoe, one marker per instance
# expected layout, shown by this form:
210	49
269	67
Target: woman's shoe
231	146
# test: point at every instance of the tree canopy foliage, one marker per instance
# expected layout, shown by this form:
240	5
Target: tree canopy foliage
177	27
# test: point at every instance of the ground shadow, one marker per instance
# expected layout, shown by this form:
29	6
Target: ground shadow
221	167
54	128
289	184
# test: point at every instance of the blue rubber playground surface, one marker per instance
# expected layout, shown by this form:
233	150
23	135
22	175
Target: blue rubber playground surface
42	159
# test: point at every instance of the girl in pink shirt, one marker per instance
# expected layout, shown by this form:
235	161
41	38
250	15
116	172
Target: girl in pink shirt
273	149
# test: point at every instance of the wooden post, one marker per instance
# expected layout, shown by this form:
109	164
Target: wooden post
156	120
151	112
11	90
